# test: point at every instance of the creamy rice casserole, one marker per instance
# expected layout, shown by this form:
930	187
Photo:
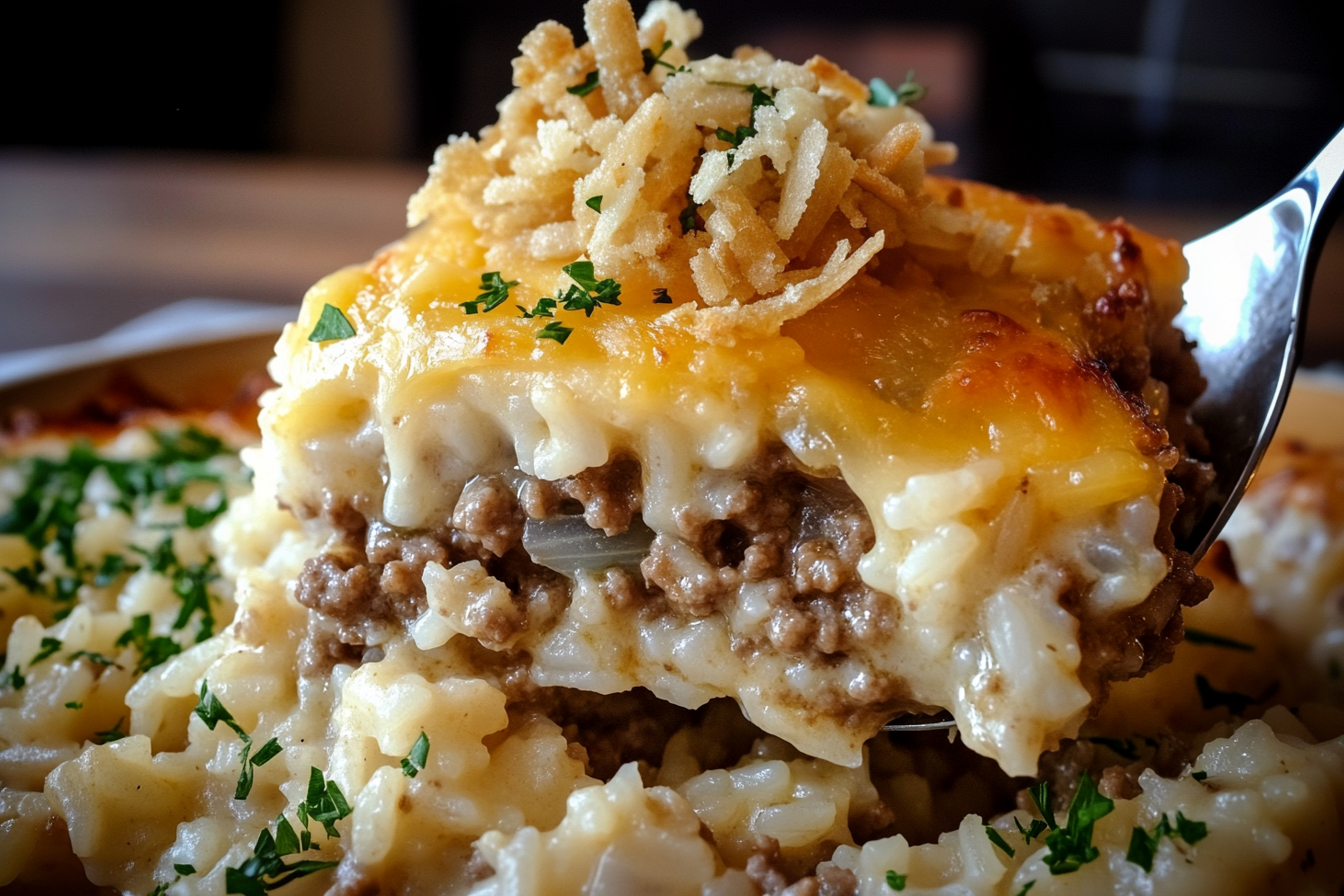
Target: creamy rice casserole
596	528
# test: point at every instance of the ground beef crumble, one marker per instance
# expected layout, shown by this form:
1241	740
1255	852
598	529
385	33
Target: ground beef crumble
788	540
796	539
765	871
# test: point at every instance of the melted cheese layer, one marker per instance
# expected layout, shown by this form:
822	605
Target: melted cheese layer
1001	472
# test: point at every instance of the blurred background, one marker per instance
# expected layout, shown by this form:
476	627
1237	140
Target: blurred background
151	152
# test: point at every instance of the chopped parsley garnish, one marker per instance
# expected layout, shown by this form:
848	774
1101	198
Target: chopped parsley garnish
494	292
15	678
1190	831
111	734
1029	834
190	583
27	577
49	507
997	839
1040	795
1143	845
1208	639
545	307
759	98
49	647
1210	697
199	517
555	330
414	763
896	881
331	325
1199	776
74	704
162	558
212	712
1125	749
267	870
184	870
594	203
325	803
660	297
652	59
687	217
154	649
112	566
880	93
734	138
588	86
588	292
94	657
1070	847
585	294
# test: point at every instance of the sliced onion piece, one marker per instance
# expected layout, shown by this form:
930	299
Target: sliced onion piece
569	545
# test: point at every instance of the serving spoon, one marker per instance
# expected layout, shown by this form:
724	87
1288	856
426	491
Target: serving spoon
1245	309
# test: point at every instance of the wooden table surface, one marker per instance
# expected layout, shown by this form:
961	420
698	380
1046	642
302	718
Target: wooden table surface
88	242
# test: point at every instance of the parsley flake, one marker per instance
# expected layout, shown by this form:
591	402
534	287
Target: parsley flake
997	839
211	711
113	565
588	86
759	98
652	59
594	203
1040	795
27	577
585	294
332	325
545	307
734	138
325	803
184	869
687	218
1143	845
199	517
153	649
49	647
1208	639
1199	776
880	93
555	330
896	881
1070	847
1037	828
588	292
111	734
94	657
414	763
74	704
494	292
266	870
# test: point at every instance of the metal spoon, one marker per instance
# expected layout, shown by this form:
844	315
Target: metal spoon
1245	308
